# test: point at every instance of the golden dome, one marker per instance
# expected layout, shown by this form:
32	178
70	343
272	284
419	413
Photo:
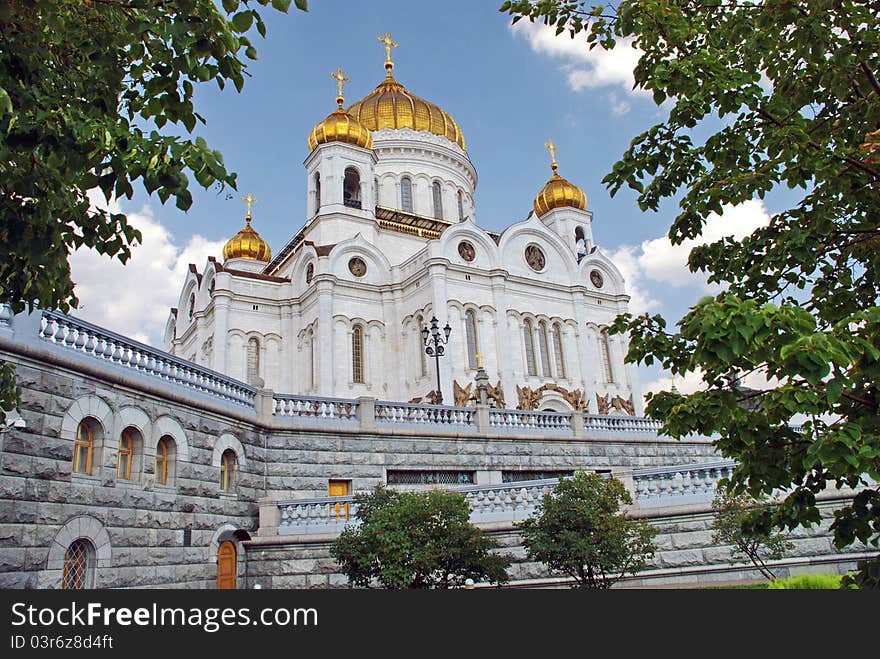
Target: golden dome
340	126
391	105
558	193
247	244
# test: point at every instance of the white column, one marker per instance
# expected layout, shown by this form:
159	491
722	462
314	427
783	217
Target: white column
586	367
504	344
325	343
437	277
221	331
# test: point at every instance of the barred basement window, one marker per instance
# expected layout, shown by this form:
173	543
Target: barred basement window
166	451
79	566
533	475
228	468
419	477
126	449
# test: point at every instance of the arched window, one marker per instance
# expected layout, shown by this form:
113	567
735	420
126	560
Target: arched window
406	197
605	347
531	368
211	287
470	329
83	448
317	192
79	566
351	188
357	354
556	334
129	454
420	346
545	349
228	469
191	308
437	194
375	192
166	454
253	360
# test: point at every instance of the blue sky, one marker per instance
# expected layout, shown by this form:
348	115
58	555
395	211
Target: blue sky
508	89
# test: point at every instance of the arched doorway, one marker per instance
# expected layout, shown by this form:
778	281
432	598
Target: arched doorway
226	566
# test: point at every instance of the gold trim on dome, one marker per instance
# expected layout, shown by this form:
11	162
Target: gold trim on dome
391	105
247	243
558	193
340	126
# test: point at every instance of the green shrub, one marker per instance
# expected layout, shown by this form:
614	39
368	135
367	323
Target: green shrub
807	582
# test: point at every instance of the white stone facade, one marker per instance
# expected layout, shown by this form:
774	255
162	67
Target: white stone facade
297	323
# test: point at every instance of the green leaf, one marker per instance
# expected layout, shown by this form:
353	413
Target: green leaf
243	20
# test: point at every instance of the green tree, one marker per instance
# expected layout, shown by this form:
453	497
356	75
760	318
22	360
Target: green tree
578	529
732	512
763	96
416	540
86	89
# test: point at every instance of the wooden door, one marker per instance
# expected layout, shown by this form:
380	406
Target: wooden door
338	489
226	566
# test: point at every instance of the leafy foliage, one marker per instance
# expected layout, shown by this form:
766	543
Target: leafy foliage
86	88
731	513
787	94
10	391
416	540
807	582
578	529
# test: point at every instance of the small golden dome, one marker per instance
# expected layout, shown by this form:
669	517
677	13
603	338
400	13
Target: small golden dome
247	244
391	105
340	126
558	193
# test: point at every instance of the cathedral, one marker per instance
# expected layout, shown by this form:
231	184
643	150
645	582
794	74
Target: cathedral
346	308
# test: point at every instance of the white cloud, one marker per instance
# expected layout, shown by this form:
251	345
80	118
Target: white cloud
663	262
627	261
133	298
687	384
585	68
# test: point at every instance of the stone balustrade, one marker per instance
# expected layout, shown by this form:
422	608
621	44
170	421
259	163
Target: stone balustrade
387	413
511	502
318	515
527	420
679	484
315	409
620	423
96	342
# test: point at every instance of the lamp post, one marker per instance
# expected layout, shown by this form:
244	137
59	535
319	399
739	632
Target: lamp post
434	343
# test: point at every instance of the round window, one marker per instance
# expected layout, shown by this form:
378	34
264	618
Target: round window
535	258
466	251
597	279
357	267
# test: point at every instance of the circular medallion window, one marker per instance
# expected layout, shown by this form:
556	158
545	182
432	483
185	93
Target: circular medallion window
596	278
357	267
310	272
466	251
535	258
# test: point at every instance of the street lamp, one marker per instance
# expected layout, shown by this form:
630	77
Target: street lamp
434	348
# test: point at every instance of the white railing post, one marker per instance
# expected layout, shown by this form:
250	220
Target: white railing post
366	413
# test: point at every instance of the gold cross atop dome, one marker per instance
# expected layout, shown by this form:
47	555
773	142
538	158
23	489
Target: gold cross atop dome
479	360
552	148
340	78
251	200
389	44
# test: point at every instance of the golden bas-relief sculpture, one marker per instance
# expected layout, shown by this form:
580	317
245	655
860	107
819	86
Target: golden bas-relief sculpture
529	399
460	394
617	403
